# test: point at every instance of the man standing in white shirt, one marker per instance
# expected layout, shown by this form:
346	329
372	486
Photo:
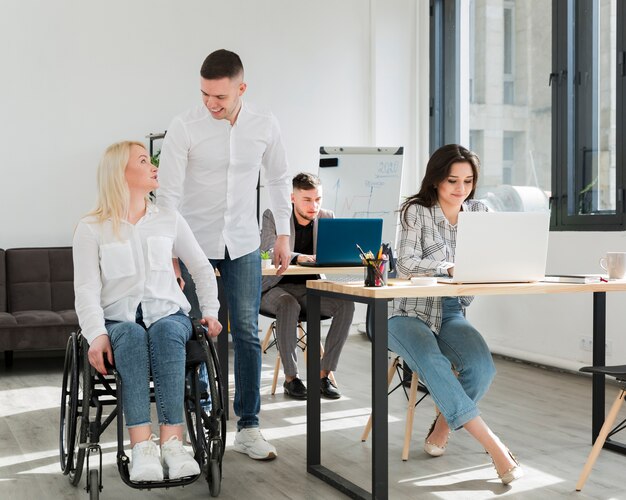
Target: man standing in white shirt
209	167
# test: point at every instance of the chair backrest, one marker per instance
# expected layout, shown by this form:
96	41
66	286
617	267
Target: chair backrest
40	279
3	283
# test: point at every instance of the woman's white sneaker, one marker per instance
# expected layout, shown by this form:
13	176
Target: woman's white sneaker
145	462
177	462
251	442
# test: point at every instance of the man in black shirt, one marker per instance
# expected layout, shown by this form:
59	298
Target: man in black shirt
285	296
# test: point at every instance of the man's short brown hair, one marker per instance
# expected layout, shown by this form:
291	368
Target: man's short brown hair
221	64
306	181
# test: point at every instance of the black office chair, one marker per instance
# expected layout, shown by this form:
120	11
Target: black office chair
619	372
270	341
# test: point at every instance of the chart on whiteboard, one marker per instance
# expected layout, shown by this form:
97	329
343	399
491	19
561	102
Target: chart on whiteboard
363	182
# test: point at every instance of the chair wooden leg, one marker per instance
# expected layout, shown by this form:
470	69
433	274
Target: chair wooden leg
268	336
410	413
276	370
597	447
390	372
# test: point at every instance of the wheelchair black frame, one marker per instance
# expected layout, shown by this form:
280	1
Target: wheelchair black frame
79	437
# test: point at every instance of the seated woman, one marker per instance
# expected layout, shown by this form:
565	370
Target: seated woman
431	333
130	308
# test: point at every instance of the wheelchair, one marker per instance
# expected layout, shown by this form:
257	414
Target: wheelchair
86	393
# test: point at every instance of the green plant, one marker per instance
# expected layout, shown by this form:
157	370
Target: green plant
265	255
155	158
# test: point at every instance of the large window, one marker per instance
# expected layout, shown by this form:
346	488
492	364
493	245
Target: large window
510	108
544	83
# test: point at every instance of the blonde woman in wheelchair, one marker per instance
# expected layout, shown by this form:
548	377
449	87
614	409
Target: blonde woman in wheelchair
130	308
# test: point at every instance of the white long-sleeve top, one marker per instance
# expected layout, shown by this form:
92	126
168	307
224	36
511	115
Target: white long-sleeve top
114	274
208	170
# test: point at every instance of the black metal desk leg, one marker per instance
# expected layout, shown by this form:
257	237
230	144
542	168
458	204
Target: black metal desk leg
599	359
313	405
222	343
380	429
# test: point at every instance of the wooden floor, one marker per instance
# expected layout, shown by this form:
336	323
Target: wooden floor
543	416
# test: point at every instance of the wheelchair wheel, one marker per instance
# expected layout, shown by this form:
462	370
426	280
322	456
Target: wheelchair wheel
69	401
75	409
94	485
214	477
207	436
215	448
215	387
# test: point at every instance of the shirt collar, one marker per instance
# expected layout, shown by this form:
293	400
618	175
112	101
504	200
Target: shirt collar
440	218
438	215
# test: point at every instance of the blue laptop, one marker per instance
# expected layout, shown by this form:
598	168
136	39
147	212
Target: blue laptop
337	241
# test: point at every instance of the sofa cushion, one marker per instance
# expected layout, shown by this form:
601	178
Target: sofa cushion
40	279
69	317
38	318
7	319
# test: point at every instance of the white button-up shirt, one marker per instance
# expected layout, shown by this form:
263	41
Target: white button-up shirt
114	274
208	170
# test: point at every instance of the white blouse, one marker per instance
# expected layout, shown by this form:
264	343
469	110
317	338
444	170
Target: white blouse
114	274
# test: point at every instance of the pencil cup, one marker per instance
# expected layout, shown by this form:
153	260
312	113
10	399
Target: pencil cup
376	272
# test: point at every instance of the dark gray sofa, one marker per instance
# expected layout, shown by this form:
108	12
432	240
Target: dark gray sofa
36	299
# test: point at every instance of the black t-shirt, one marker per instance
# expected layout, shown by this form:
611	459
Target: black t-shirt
303	244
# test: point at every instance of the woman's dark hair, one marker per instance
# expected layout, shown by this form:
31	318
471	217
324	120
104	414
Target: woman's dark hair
221	64
437	170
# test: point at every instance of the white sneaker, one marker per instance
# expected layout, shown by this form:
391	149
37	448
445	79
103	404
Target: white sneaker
177	462
251	442
145	463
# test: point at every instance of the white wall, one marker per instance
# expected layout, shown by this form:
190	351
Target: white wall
78	75
548	328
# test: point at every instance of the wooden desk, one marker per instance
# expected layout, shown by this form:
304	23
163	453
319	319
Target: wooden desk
377	299
222	339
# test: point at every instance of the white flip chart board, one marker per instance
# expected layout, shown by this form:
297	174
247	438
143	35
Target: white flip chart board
363	182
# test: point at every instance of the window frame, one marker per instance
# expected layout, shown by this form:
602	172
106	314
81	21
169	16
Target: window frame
572	112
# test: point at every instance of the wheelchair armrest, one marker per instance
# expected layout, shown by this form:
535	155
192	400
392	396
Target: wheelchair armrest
199	331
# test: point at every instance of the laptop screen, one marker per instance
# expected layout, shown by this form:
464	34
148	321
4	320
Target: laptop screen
501	247
337	240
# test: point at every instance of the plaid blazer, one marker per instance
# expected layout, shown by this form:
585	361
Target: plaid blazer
427	244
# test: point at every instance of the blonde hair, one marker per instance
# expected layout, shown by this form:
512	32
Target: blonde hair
113	195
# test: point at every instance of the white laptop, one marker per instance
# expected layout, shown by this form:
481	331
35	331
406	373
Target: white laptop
493	247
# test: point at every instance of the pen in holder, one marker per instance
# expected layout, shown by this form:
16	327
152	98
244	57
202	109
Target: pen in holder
376	271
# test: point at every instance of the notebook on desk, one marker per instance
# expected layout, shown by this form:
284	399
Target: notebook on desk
500	247
337	241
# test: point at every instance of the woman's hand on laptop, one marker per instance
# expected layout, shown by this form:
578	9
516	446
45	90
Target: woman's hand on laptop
305	258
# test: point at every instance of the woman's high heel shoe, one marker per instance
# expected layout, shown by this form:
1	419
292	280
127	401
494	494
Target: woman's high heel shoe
513	473
434	450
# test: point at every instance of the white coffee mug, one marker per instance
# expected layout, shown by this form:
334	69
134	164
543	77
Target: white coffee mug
615	264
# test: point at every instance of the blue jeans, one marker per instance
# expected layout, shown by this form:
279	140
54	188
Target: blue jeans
458	345
161	349
242	283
